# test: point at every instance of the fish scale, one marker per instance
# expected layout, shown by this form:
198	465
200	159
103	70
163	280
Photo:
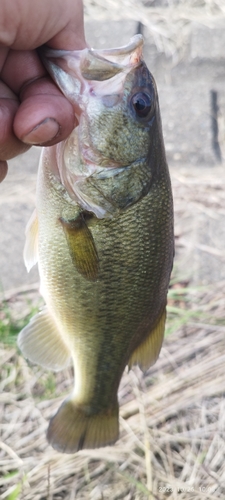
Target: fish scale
103	242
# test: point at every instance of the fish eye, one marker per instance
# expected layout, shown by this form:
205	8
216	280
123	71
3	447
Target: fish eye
142	104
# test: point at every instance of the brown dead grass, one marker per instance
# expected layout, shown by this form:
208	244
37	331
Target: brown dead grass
172	420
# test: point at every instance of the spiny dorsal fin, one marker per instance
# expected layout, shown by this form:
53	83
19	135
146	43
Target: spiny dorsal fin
82	247
41	342
148	351
30	253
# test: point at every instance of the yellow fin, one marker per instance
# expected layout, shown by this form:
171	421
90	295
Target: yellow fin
73	429
82	247
30	253
148	351
41	342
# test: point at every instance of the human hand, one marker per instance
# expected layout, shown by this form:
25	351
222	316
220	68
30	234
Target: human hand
32	108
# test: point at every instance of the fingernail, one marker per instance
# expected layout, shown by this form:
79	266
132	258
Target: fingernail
43	132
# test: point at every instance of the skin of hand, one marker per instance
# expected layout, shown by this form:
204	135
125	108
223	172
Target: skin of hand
32	108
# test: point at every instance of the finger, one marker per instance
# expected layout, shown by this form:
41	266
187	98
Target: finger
72	36
3	170
44	117
26	25
20	68
3	55
10	145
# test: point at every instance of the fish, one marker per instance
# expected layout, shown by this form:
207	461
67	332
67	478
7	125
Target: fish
102	235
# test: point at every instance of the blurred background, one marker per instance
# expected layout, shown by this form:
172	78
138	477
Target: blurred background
173	418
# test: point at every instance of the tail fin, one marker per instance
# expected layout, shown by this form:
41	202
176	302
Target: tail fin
72	429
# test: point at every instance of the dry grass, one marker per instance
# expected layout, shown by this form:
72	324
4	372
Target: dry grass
199	199
172	419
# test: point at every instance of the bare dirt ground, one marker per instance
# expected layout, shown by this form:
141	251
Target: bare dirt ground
172	419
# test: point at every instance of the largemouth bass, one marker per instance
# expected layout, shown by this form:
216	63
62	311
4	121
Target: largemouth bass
102	234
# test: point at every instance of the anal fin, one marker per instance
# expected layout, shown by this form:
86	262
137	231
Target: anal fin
147	353
73	428
41	342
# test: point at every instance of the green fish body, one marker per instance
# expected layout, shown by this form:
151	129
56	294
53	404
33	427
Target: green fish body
102	234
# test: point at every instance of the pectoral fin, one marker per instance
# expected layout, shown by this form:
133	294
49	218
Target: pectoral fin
41	342
30	253
82	247
148	351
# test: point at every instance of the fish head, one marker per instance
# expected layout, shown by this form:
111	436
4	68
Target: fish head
115	102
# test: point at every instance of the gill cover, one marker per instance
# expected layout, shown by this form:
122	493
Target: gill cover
99	84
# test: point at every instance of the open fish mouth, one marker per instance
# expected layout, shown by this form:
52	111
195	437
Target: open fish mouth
99	64
113	61
85	77
90	65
